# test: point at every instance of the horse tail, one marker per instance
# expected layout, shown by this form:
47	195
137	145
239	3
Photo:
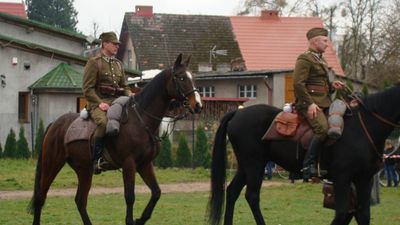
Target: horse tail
218	172
35	201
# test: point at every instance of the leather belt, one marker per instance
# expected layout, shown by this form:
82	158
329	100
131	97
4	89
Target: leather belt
317	88
110	91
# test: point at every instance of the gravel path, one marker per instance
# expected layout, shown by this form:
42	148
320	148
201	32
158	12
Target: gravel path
165	188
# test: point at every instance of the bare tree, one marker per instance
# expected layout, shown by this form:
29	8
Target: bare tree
384	66
95	27
354	40
254	6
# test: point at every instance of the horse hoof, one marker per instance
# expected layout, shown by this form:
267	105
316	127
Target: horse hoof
139	222
136	222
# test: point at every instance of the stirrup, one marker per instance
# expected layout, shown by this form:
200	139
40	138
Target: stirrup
97	169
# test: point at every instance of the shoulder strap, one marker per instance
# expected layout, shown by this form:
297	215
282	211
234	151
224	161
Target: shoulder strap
99	63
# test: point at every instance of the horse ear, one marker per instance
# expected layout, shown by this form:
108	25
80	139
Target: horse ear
188	61
178	61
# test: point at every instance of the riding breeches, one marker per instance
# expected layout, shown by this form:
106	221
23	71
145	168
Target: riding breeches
319	124
100	118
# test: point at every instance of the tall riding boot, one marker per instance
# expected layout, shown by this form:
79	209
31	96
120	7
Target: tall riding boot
309	164
98	149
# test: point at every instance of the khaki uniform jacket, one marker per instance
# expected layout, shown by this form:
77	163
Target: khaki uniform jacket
108	72
311	70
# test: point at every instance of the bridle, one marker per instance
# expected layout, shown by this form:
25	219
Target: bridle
378	117
182	98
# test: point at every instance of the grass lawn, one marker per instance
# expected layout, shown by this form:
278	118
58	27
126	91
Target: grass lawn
19	175
298	204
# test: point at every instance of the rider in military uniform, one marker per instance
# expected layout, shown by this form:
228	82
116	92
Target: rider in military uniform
103	81
312	90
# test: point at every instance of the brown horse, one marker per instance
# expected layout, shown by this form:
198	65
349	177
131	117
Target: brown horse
133	149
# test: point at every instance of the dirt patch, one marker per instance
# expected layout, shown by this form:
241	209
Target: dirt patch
165	188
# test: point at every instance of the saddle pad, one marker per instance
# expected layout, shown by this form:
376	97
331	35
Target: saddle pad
303	134
80	129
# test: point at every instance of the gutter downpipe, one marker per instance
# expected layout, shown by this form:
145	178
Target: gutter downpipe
269	94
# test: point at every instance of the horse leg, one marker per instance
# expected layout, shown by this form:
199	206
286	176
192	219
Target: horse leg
232	193
48	172
128	172
149	178
342	191
254	177
363	213
85	182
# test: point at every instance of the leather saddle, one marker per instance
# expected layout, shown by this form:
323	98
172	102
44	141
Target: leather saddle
289	126
83	130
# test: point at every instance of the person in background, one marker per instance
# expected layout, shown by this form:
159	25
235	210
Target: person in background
268	169
389	164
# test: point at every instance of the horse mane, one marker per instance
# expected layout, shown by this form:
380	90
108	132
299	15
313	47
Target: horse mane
383	102
156	87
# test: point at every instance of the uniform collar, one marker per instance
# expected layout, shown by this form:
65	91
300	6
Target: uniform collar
107	58
315	54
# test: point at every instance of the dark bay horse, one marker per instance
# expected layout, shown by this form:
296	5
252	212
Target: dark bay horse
133	149
354	158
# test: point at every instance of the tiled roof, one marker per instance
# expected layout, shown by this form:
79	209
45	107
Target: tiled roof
61	77
276	43
43	26
158	39
17	9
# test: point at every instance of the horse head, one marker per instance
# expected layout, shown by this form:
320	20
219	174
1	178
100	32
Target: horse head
181	86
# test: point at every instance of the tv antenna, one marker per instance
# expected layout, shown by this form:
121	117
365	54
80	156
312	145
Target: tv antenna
214	52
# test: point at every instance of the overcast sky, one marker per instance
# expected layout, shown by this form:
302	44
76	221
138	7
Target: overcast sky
108	14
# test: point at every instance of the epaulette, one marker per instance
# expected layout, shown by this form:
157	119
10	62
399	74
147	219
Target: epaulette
96	57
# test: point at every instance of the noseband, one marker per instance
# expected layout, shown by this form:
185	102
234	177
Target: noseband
182	96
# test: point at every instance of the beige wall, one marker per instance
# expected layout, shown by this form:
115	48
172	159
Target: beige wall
129	46
230	88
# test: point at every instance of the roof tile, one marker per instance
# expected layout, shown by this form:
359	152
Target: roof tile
276	44
63	76
160	38
17	9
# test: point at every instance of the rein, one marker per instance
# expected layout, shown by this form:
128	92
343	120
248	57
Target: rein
377	116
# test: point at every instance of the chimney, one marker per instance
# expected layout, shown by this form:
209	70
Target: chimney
269	14
144	10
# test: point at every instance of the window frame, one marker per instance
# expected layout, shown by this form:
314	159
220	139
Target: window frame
249	91
23	107
207	91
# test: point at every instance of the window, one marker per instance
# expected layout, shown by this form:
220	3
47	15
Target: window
289	90
23	101
247	91
208	91
80	103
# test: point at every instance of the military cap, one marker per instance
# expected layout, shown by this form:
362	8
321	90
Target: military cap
316	31
109	37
